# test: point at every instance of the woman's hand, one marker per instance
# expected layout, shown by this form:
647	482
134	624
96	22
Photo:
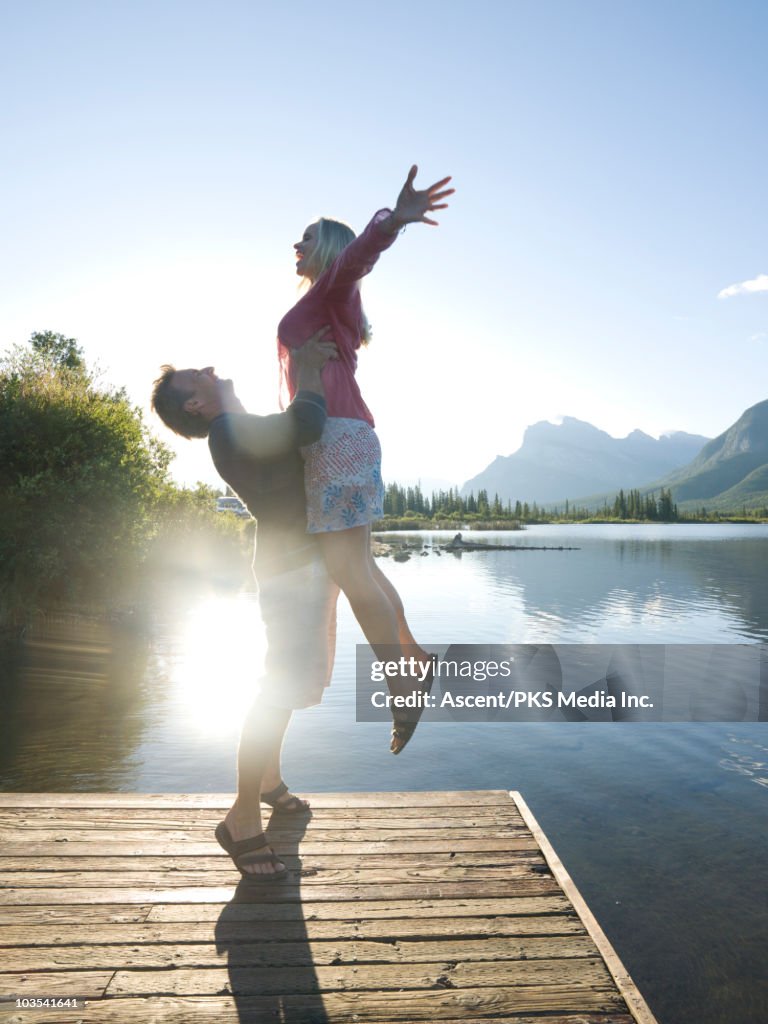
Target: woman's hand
413	204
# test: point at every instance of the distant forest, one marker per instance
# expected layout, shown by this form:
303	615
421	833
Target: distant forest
410	504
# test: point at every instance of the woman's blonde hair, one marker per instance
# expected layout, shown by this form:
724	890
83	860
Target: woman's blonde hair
332	237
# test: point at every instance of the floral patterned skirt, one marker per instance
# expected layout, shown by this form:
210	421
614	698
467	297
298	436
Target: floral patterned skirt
342	477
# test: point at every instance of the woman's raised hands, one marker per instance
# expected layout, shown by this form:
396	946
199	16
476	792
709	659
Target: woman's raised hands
413	204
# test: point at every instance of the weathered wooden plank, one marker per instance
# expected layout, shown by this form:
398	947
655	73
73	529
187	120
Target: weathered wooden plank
82	914
82	984
334	861
35	817
547	907
588	975
149	847
391	1008
140	837
286	891
321	875
224	930
555	905
100	834
221	801
301	953
430	1005
580	1018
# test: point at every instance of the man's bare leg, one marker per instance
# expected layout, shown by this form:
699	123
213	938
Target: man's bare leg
258	763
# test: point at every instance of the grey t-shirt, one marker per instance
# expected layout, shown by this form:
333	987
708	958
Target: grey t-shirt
258	456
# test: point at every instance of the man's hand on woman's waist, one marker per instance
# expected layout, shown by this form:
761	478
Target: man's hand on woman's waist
311	358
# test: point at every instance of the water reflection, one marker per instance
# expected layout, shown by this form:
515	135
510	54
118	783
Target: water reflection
748	758
116	706
676	588
661	826
74	700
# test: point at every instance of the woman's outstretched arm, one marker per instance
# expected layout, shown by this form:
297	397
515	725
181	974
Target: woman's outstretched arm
360	256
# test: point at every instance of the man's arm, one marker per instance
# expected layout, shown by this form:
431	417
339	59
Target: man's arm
308	406
269	437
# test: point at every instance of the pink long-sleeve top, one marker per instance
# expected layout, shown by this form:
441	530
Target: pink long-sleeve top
334	299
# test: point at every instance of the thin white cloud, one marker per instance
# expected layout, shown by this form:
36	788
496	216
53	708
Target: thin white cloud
757	284
760	336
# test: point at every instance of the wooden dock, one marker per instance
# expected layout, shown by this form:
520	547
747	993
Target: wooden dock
401	908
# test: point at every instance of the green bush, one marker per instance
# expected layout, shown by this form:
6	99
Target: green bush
81	480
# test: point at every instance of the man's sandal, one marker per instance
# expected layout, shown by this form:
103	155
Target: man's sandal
293	806
245	852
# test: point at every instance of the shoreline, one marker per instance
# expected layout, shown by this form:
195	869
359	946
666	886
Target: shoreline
427	526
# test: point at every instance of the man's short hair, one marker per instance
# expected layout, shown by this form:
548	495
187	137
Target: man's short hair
168	402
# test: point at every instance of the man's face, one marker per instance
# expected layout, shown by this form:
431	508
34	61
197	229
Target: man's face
208	393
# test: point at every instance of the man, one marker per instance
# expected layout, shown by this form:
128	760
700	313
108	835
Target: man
258	456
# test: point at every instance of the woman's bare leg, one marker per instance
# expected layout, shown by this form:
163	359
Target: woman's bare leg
347	557
405	635
374	601
379	611
407	639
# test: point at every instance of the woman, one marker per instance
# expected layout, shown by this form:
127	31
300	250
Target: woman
343	469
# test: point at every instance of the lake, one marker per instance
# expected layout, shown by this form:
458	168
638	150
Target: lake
662	826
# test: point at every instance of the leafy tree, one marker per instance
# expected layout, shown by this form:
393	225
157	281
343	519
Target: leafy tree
60	351
81	478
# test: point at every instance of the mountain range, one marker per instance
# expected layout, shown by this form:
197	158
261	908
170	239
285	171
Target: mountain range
575	460
731	471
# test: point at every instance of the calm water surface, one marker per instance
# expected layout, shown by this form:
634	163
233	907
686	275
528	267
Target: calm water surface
663	827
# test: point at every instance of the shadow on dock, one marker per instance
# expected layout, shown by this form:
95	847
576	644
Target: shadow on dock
262	932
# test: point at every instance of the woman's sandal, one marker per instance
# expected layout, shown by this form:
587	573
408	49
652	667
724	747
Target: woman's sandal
403	729
245	851
293	806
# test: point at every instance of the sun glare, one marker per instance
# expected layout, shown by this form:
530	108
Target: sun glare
221	659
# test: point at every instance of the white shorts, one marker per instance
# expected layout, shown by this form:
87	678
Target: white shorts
298	609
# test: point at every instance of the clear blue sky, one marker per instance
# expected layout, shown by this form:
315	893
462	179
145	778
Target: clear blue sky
610	163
